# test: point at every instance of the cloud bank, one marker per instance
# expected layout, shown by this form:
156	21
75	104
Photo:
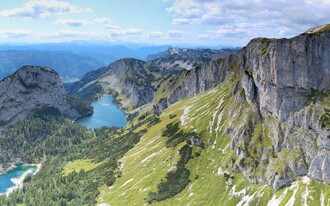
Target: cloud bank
42	8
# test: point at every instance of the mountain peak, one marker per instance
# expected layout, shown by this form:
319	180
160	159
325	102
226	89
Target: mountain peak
30	88
318	29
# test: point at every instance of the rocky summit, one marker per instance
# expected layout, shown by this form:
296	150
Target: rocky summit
31	88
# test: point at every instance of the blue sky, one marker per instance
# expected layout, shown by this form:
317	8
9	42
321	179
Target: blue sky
194	22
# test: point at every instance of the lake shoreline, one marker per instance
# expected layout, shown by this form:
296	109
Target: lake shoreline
18	182
8	169
86	115
105	113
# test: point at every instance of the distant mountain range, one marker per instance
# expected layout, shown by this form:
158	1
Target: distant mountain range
70	60
105	53
183	58
73	60
66	63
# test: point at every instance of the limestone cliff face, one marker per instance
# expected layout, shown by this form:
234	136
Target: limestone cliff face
31	88
289	71
281	73
286	81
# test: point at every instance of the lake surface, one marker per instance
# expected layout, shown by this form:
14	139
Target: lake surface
17	172
106	113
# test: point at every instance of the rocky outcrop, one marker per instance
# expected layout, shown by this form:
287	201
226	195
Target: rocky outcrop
286	81
31	88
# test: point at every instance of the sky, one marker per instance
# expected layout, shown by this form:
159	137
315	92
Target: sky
175	22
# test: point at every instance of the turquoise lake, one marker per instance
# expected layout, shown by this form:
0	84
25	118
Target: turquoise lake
106	113
17	172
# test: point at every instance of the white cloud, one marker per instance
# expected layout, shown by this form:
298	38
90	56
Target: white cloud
73	35
42	8
271	18
111	27
14	33
154	35
103	21
73	22
181	21
115	30
174	34
317	1
132	34
126	32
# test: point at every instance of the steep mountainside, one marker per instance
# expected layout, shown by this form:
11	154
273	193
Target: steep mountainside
32	89
276	73
283	81
214	177
262	116
66	63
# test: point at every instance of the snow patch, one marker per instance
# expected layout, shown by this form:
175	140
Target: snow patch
138	152
121	164
305	196
220	171
224	149
126	183
183	117
292	198
147	159
277	201
306	180
214	116
245	201
237	194
322	199
212	91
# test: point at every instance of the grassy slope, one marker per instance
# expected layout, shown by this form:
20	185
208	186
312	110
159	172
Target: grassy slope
80	164
209	114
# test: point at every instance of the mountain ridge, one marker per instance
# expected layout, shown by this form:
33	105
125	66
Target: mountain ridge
154	73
